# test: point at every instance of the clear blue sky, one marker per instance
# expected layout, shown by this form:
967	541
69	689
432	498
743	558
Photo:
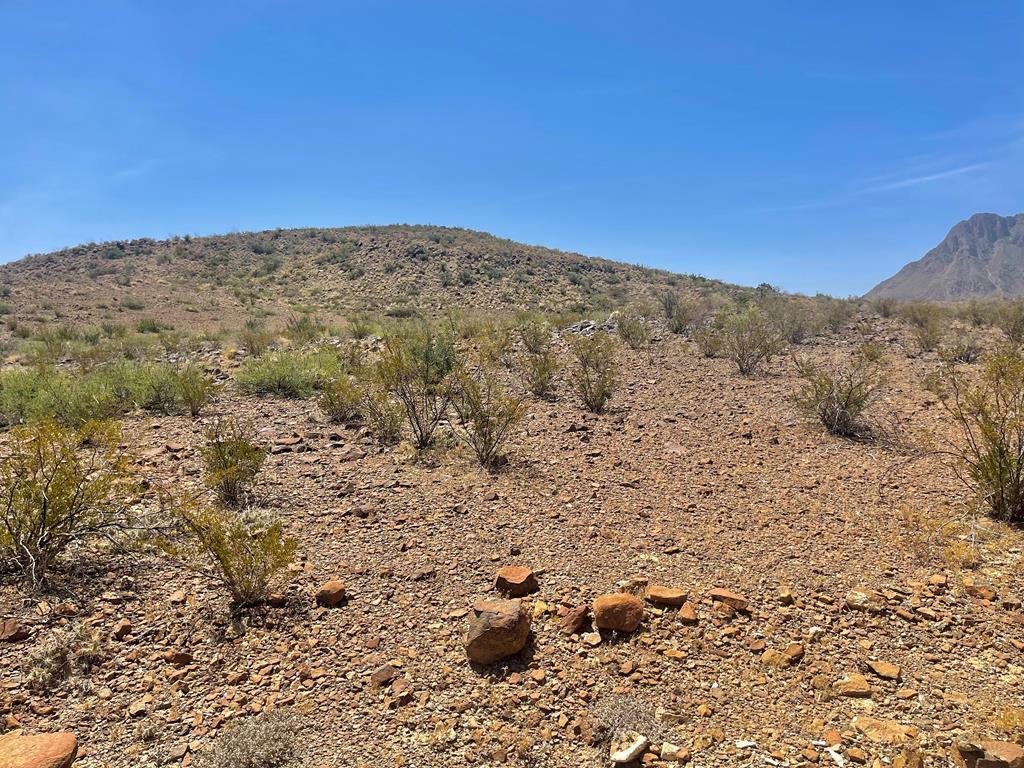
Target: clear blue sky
787	142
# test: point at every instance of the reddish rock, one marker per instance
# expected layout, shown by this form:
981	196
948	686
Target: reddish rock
497	629
988	754
668	596
46	750
331	594
852	686
884	731
516	581
688	613
575	620
885	670
618	611
730	598
121	630
11	631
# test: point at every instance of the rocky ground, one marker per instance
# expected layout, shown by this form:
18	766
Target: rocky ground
843	632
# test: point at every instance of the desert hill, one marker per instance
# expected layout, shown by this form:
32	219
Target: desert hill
982	257
205	282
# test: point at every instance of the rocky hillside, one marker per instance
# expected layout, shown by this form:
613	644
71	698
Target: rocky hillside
982	257
208	282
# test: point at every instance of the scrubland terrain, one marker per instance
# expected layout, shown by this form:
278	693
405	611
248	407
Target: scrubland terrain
713	525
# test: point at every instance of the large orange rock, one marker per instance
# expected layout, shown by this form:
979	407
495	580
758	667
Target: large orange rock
497	629
988	754
45	750
618	611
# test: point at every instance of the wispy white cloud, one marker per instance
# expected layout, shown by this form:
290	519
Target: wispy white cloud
913	181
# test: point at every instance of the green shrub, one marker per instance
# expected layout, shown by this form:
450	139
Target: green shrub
195	388
383	415
886	307
632	329
1009	318
838	397
595	373
340	399
414	369
233	459
303	329
749	339
791	318
535	336
927	322
60	485
486	411
962	349
989	412
246	550
539	372
255	338
286	374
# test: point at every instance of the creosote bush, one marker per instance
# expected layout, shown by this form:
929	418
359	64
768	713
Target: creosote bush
383	415
838	397
414	368
243	549
289	374
749	339
487	412
989	410
340	399
595	372
233	459
927	324
632	328
60	486
539	372
1009	318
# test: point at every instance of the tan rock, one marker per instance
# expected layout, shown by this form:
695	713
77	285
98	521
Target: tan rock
688	613
46	750
864	599
575	619
619	611
852	686
730	598
668	596
516	581
628	747
12	631
497	629
884	731
331	594
885	669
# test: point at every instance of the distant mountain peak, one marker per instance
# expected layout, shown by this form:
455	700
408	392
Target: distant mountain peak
981	257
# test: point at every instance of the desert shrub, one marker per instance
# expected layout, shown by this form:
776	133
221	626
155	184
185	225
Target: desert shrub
1009	318
340	398
242	549
749	339
885	306
927	324
360	326
255	337
595	372
59	486
979	314
989	412
383	415
869	351
68	653
708	339
268	740
195	388
632	328
539	372
836	313
838	397
486	411
232	458
157	388
535	335
791	318
685	315
615	715
962	349
414	367
304	328
286	374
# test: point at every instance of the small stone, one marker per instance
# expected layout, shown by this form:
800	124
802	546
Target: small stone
497	629
137	708
331	594
884	731
730	598
575	619
618	611
688	613
667	596
864	599
516	581
628	747
674	753
852	686
382	676
885	670
121	630
11	631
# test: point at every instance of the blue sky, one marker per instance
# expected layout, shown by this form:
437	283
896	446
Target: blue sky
789	142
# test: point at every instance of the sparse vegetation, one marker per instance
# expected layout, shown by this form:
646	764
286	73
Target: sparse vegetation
838	396
749	339
487	412
60	486
340	399
595	373
69	653
268	740
232	459
632	328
